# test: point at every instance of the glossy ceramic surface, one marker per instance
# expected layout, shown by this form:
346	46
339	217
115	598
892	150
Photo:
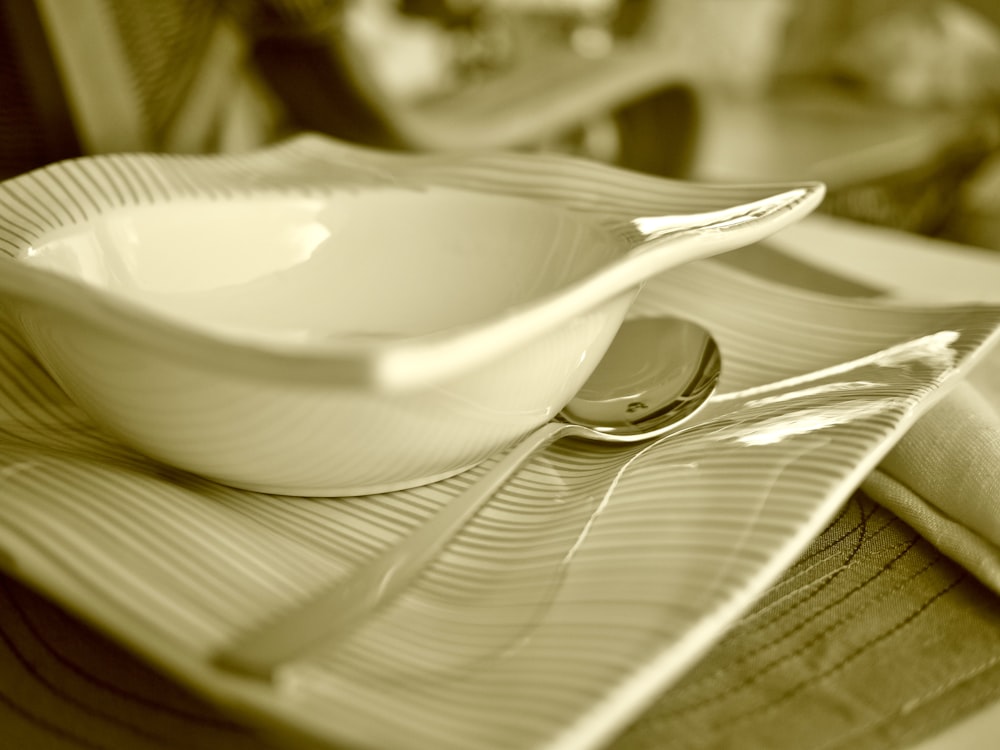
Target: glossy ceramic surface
588	584
656	375
320	319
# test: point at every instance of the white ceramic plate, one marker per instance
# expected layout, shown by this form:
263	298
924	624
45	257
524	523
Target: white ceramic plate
589	584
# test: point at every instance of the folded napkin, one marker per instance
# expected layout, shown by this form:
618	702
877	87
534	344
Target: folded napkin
943	477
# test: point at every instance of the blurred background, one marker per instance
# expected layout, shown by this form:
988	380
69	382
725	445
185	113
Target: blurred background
893	103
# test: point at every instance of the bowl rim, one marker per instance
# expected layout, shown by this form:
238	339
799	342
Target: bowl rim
70	193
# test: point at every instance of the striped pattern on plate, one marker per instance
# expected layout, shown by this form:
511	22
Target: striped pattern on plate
594	579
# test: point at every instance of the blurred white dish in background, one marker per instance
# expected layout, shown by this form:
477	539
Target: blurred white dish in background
320	319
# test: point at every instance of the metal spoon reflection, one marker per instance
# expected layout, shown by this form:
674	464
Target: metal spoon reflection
656	375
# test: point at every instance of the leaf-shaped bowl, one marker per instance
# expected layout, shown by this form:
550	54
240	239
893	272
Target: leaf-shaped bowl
322	319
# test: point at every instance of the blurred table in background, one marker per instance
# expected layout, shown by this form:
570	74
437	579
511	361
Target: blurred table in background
914	169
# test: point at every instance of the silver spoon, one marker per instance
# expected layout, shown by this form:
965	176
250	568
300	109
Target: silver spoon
656	375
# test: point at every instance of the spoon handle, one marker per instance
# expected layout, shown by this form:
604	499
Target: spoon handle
336	610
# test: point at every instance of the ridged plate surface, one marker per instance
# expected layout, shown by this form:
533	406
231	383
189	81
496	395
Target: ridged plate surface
592	581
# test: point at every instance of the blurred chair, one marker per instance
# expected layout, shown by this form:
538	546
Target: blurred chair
195	76
321	76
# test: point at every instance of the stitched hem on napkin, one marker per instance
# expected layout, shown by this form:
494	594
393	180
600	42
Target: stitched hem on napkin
943	479
965	546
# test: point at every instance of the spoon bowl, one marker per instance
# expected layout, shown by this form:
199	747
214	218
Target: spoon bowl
656	375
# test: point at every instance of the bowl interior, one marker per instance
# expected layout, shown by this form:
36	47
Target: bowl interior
362	263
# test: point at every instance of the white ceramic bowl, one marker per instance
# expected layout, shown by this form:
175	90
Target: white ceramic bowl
318	319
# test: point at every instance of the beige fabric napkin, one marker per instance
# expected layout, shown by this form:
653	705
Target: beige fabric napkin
943	477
